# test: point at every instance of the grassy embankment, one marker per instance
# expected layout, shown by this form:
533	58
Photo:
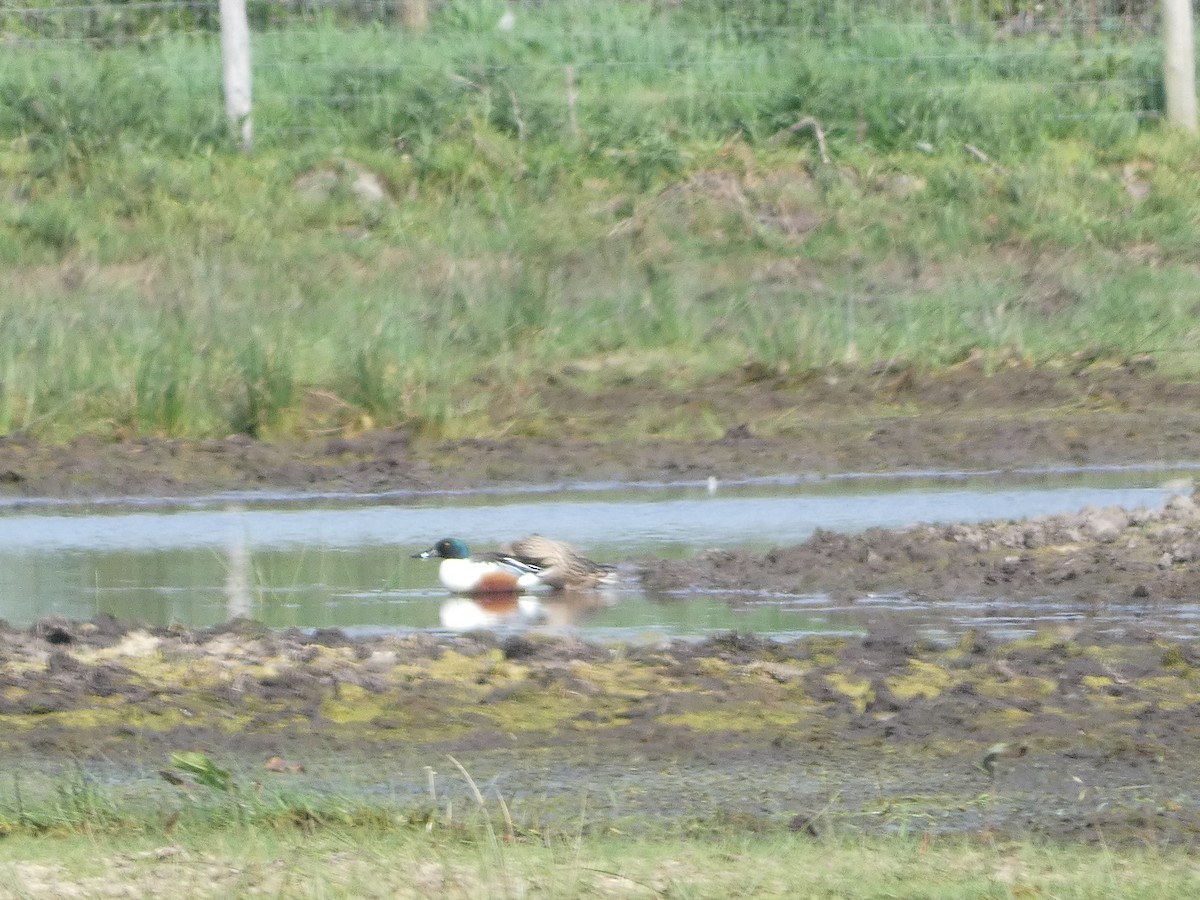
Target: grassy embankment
154	281
250	842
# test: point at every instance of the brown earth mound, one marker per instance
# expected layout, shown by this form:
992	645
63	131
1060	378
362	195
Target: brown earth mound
1097	555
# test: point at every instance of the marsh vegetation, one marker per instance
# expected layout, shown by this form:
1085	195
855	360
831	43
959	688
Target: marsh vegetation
598	226
435	228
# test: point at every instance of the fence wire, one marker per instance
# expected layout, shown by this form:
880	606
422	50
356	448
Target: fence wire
338	68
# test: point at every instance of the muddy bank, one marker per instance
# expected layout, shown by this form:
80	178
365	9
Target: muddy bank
1096	556
755	423
880	734
1076	733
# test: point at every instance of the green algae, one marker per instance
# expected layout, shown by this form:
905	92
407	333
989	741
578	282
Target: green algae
738	720
1098	682
893	713
1049	640
485	667
620	679
1174	658
354	705
858	690
1028	687
1006	718
1170	692
923	679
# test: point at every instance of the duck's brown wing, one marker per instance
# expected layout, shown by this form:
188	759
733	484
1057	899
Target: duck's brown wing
562	565
541	550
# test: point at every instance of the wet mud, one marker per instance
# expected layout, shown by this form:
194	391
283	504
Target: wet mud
759	423
1072	734
1094	557
1077	733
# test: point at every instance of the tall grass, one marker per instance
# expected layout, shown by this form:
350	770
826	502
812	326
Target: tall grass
156	281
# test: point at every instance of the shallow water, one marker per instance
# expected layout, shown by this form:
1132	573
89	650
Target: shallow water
339	561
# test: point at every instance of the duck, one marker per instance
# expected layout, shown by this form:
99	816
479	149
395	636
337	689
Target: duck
562	566
527	564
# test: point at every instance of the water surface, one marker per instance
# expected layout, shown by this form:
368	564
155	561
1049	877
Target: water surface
339	561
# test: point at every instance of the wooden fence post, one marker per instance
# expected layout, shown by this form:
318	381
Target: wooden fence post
413	14
1179	63
235	58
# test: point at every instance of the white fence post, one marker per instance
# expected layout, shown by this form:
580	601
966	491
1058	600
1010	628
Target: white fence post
235	57
413	14
1179	66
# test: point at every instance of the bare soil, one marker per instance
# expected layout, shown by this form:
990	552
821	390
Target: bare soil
1075	734
766	423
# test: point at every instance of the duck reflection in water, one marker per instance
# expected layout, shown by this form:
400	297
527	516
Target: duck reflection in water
518	612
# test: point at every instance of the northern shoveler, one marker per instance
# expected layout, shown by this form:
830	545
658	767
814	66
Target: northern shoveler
528	564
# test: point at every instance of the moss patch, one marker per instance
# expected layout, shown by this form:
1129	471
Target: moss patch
923	679
882	725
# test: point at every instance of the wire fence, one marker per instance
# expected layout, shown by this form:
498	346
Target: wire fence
340	68
136	20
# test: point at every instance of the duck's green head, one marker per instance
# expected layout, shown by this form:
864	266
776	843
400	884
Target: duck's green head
446	548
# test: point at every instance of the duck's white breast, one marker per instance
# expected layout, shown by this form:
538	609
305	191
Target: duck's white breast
459	575
463	575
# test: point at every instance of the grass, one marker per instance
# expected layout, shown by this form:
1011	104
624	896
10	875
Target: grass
343	861
157	282
219	836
